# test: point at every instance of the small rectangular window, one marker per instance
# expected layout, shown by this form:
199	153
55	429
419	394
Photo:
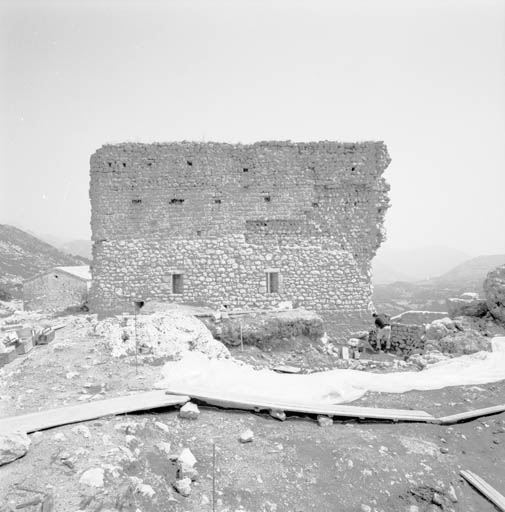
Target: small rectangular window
272	282
178	284
176	201
136	201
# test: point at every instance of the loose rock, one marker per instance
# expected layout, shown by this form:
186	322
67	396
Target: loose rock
247	436
13	446
185	471
189	411
187	458
183	486
278	414
92	477
324	421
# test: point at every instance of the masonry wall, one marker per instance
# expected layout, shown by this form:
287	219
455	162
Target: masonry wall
54	291
404	337
223	215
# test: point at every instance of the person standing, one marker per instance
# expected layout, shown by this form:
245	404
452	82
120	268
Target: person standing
383	329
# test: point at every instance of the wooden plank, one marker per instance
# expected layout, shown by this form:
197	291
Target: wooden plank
484	488
284	368
476	413
231	399
75	413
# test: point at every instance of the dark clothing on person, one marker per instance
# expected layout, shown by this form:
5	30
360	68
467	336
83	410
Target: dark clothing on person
382	320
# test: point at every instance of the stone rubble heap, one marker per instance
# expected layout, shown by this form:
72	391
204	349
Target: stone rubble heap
166	334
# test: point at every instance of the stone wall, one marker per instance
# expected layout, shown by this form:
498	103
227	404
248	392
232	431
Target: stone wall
54	291
404	337
419	317
222	216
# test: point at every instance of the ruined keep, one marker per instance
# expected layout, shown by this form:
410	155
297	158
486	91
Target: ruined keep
243	225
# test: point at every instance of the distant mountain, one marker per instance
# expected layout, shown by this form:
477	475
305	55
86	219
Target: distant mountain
412	265
23	255
383	274
431	294
471	273
75	247
78	248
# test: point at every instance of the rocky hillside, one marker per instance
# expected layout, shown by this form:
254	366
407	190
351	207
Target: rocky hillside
431	294
23	255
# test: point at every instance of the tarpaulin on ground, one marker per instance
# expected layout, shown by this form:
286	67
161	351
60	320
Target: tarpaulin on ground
334	386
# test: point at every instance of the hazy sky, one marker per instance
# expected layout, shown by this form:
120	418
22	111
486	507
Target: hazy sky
425	76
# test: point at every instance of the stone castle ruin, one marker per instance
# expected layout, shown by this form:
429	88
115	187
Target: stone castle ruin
248	226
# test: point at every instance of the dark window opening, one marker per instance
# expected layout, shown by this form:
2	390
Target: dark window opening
217	201
110	164
272	282
312	168
177	283
189	162
267	199
355	203
353	169
136	201
315	205
149	164
124	164
198	232
176	201
245	169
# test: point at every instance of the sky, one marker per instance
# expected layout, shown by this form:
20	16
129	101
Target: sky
425	76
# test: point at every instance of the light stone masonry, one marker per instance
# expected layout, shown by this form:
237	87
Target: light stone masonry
248	226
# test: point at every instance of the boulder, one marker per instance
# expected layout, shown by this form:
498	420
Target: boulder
466	307
13	445
494	290
436	331
467	342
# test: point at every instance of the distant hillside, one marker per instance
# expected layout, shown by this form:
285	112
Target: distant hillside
471	273
78	248
74	247
430	294
23	255
390	265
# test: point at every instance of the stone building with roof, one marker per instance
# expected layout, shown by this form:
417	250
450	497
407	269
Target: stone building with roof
57	288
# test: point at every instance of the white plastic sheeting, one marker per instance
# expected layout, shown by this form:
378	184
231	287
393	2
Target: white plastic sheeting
335	386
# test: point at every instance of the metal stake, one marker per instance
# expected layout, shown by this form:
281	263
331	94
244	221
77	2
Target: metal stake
213	476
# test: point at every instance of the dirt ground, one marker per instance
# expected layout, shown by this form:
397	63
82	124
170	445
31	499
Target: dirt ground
294	465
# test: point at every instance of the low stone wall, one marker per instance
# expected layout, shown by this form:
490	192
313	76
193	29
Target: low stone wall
418	317
404	337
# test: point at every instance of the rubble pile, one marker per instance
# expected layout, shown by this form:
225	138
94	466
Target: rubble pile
268	329
166	334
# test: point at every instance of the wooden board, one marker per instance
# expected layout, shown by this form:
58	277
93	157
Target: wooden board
248	401
88	411
286	369
468	415
483	487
